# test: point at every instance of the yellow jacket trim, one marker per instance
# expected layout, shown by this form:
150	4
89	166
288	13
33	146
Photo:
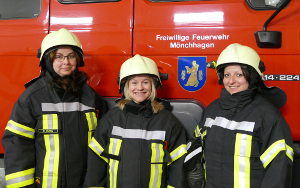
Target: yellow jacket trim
178	152
242	153
97	148
20	179
51	160
92	124
114	149
267	157
197	131
20	129
157	158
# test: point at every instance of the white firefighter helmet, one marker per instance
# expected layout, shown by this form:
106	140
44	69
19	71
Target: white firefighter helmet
237	53
61	37
138	65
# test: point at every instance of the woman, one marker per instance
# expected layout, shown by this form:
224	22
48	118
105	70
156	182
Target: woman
248	143
46	138
138	143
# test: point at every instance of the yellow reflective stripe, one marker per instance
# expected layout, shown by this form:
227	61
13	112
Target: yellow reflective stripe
169	186
157	158
290	152
20	179
197	132
178	152
92	123
20	129
242	153
272	152
97	148
51	161
203	134
114	149
157	153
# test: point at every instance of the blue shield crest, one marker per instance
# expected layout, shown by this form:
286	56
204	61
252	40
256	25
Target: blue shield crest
192	72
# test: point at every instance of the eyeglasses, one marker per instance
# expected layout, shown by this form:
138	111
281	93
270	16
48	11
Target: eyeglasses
60	57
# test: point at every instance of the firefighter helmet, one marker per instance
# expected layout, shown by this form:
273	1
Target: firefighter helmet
237	53
61	37
138	65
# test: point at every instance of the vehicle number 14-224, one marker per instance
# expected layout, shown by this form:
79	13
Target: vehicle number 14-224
282	77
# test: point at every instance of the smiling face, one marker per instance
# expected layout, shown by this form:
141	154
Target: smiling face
139	88
234	79
64	62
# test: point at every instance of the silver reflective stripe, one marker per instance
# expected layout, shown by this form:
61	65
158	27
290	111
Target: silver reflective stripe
156	171
92	120
192	154
113	163
19	179
114	149
65	107
208	122
188	145
139	133
95	147
20	129
290	152
51	161
178	152
229	124
156	166
272	152
242	153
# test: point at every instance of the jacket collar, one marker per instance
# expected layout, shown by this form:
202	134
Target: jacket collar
231	104
144	108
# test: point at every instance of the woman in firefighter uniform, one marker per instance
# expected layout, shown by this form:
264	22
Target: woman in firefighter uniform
138	143
46	138
247	142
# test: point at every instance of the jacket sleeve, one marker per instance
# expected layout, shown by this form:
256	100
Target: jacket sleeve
97	163
194	161
101	106
277	156
177	150
18	143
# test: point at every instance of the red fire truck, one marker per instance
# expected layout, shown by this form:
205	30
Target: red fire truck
174	33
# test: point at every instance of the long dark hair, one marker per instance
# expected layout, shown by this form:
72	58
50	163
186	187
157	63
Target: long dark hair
251	75
72	82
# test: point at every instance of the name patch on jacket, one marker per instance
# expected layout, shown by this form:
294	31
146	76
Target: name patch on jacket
49	131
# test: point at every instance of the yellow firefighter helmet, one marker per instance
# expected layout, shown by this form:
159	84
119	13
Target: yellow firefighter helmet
138	65
61	37
237	53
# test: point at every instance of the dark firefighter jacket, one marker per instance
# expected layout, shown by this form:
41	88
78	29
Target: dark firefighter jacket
136	148
46	138
247	144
